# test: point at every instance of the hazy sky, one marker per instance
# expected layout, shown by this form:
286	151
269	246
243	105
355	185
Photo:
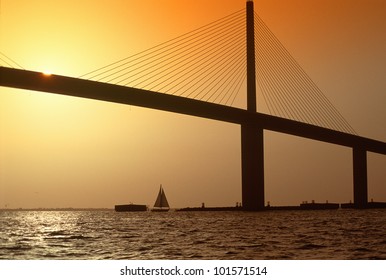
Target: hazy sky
58	151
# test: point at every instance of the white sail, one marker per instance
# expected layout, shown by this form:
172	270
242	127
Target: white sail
161	199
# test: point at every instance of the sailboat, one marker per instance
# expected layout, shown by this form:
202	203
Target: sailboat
161	204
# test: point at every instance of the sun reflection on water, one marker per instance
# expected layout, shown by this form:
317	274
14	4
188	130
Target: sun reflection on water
271	235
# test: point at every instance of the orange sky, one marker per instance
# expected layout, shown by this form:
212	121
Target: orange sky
59	151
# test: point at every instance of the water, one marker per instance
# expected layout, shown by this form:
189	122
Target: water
335	234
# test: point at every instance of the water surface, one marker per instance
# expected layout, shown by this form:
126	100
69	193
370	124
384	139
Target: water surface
323	234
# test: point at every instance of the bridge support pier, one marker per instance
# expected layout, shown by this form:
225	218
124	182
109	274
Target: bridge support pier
360	177
252	154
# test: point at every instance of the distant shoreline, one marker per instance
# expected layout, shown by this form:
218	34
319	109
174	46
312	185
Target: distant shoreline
303	206
57	209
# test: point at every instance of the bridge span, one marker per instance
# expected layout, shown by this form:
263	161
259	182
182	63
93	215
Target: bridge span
252	125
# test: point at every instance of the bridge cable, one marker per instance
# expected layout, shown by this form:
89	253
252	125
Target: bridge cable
10	62
270	59
290	83
164	54
282	81
188	65
95	73
300	87
181	58
205	54
209	64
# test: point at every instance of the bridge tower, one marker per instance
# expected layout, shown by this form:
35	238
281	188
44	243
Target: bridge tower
252	137
360	177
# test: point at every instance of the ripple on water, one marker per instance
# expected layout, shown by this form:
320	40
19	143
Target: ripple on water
207	235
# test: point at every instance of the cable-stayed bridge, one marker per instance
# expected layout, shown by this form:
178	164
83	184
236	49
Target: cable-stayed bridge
202	73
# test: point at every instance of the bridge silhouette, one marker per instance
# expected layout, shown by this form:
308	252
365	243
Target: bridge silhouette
252	123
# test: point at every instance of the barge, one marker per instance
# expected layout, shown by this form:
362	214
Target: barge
131	208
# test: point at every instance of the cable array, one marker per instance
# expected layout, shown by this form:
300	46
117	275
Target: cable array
7	61
207	64
287	90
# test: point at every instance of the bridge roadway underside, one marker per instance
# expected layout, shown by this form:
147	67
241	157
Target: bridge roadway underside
252	125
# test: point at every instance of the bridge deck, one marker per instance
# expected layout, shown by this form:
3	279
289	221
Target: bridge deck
36	81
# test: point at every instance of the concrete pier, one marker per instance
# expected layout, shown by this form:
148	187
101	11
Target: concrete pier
360	177
252	153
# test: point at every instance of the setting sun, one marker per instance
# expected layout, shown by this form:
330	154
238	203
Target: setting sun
47	73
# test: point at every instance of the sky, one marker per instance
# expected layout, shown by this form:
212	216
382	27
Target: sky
58	151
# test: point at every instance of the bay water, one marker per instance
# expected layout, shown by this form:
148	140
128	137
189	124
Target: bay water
110	235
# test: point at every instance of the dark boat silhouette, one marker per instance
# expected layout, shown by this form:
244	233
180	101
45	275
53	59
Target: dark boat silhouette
130	208
161	204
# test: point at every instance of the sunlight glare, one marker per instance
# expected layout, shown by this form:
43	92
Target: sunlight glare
47	73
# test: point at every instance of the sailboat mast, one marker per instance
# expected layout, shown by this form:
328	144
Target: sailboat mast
161	193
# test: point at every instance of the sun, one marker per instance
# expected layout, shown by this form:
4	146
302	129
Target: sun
47	73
